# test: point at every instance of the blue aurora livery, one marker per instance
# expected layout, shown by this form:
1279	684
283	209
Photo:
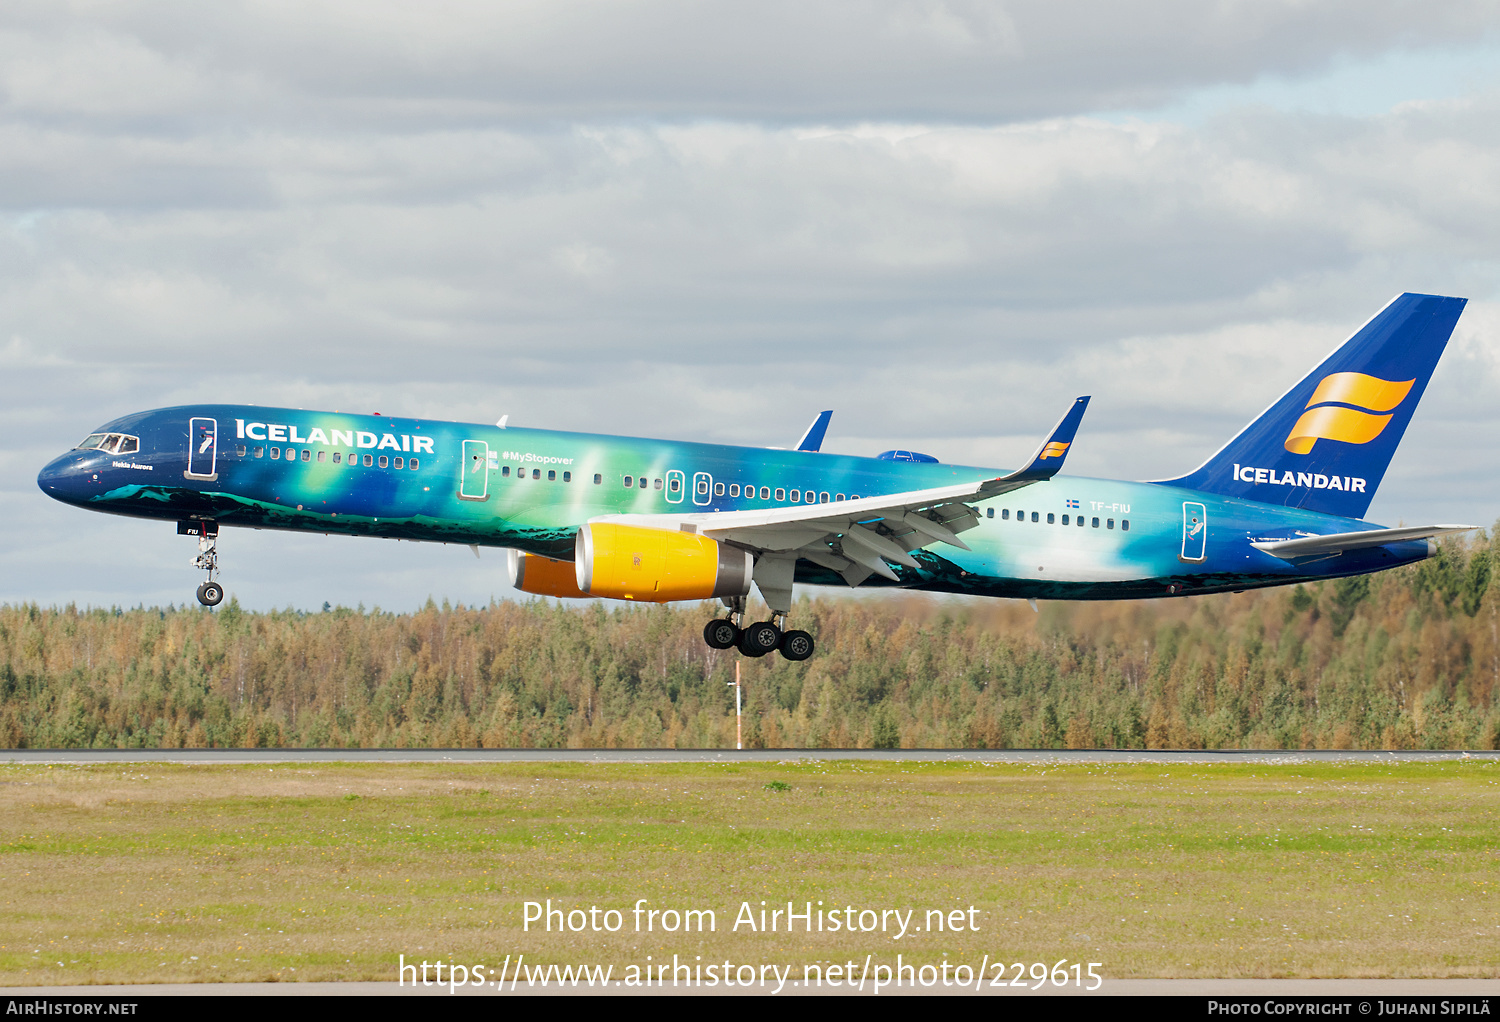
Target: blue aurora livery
656	520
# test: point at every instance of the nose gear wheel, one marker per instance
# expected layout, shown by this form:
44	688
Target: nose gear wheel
210	593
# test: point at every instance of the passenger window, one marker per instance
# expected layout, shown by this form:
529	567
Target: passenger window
765	493
734	489
675	485
838	496
718	489
322	455
504	471
384	461
337	458
397	463
413	464
989	512
656	483
1110	524
1035	516
306	454
702	487
796	496
567	477
353	457
275	453
1096	523
239	452
259	452
1080	521
536	473
1005	514
1051	518
369	460
552	475
1065	520
598	479
780	493
1124	524
629	482
823	497
641	482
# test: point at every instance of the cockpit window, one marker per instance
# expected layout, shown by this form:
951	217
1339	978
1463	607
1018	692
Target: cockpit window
110	443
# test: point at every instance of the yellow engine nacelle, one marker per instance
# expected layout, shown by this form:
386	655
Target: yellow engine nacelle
543	576
627	562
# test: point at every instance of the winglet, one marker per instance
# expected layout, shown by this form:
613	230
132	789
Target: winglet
812	440
1049	457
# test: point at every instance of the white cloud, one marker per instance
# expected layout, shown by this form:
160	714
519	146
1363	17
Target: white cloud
282	212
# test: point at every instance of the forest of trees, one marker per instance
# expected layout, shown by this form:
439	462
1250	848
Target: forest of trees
1406	659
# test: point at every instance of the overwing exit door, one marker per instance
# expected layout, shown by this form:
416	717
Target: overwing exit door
474	480
203	449
1194	532
703	488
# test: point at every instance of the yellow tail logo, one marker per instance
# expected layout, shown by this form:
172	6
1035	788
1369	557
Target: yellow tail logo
1053	450
1347	425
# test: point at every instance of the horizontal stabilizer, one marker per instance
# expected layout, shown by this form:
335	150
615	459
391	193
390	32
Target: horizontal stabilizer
812	440
1326	546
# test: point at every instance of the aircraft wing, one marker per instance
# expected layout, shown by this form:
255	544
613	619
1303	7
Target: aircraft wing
857	537
1308	547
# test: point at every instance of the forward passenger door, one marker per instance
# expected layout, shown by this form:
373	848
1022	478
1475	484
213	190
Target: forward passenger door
203	448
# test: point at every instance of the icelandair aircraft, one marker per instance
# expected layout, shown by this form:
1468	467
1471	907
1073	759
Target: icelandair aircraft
654	521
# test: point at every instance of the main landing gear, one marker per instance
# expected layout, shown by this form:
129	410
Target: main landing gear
756	640
210	593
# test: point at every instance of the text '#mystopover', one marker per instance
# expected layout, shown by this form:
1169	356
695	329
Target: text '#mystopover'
870	976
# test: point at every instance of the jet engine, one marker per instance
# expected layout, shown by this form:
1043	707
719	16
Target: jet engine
543	576
627	562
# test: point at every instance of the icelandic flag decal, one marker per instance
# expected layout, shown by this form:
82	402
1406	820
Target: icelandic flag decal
1072	503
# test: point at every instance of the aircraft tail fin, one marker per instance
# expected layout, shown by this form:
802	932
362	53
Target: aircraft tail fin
1326	443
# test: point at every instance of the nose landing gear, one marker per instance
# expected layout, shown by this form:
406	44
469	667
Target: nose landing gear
210	593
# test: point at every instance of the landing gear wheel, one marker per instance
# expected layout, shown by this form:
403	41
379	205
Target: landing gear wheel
720	633
759	639
796	645
210	594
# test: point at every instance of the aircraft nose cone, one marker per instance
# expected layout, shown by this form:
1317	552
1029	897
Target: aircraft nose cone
63	478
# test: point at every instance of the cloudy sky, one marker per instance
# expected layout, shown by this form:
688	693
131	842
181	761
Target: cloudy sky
942	220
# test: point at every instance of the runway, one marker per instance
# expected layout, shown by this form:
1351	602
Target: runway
1365	991
1030	756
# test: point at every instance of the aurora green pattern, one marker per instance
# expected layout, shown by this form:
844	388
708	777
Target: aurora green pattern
532	489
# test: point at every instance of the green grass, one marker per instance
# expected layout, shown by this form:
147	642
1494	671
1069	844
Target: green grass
157	873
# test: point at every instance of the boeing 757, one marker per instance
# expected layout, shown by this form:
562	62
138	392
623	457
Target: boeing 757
654	521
